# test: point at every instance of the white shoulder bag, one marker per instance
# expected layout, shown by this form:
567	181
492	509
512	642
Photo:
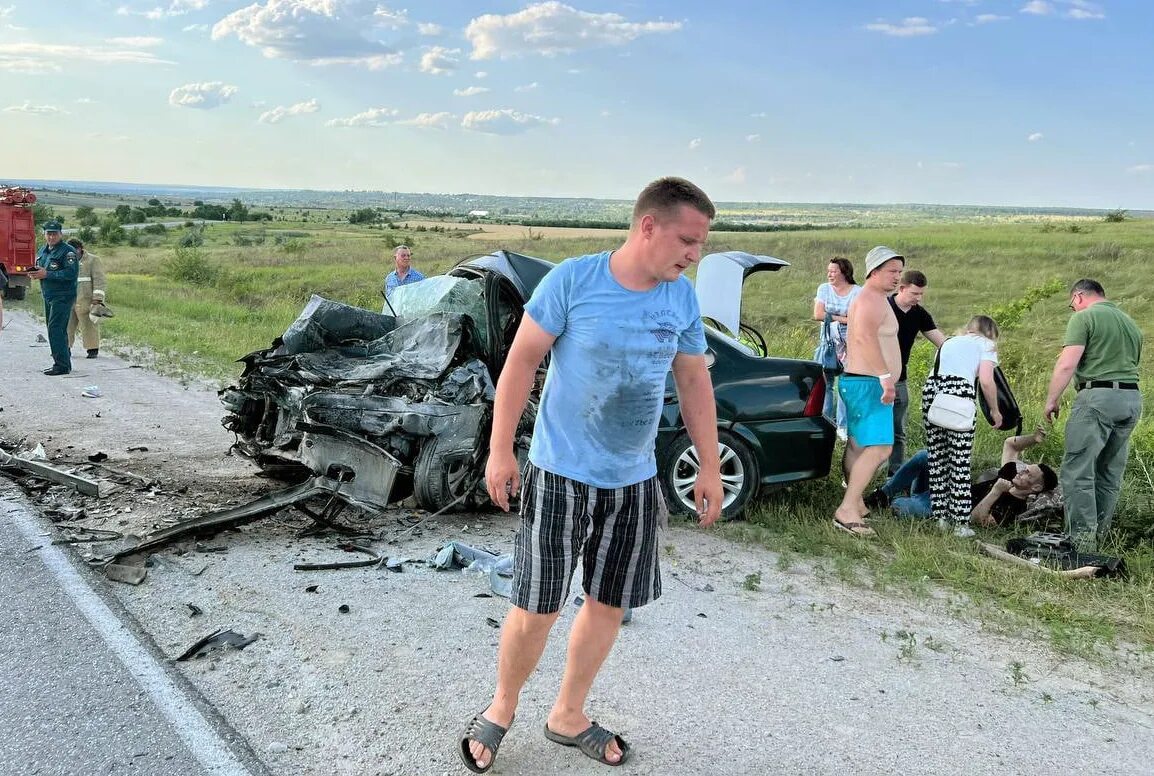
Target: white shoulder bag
955	413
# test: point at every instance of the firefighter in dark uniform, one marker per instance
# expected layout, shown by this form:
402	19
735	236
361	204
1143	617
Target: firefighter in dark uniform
57	267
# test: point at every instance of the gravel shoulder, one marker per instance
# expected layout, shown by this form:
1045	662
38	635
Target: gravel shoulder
803	675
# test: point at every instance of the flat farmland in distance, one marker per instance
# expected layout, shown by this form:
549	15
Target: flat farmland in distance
505	232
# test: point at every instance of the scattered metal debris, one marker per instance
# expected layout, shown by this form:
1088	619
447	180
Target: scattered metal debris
375	560
215	640
44	471
89	536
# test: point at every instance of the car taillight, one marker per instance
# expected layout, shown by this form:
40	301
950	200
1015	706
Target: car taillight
816	400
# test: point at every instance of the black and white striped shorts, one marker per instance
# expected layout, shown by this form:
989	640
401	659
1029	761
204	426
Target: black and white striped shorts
616	527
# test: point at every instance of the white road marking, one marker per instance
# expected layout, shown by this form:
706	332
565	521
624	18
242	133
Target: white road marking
188	722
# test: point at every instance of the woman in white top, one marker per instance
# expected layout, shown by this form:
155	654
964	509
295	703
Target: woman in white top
970	356
833	299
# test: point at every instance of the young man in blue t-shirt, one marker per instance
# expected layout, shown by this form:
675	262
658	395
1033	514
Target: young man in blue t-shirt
615	323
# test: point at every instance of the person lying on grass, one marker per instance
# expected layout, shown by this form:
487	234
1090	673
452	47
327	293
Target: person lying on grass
1000	496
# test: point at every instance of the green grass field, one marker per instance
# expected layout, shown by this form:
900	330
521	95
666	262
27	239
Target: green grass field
251	281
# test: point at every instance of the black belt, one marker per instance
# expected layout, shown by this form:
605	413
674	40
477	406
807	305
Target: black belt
1107	384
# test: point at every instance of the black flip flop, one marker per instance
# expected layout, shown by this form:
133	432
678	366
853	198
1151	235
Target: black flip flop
854	529
592	741
487	734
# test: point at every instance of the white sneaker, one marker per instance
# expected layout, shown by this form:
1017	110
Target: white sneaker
963	531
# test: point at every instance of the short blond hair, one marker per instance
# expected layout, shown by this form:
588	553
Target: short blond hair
663	196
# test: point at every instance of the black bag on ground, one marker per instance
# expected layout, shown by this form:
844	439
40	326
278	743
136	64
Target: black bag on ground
1058	552
1007	404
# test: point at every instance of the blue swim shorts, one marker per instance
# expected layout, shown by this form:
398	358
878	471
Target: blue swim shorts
868	421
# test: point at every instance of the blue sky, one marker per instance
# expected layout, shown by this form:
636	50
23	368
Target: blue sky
1030	102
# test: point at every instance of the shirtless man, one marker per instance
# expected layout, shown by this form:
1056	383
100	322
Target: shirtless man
868	387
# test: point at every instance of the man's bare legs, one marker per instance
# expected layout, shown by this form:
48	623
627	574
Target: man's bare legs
523	639
860	464
594	632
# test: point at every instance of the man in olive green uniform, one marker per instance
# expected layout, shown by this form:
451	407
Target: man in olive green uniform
1101	352
57	266
89	299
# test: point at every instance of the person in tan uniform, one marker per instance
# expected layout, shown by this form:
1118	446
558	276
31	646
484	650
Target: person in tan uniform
868	385
89	298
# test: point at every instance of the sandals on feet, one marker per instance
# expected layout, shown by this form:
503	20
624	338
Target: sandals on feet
854	529
487	734
593	742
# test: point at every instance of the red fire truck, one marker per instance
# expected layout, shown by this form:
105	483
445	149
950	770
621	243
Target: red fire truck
17	238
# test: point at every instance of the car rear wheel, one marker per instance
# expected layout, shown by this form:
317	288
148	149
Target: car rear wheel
739	476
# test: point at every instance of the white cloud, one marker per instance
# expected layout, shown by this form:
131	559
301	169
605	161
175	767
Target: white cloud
504	121
195	28
391	19
470	91
736	176
1140	169
753	138
1083	10
85	101
553	28
1034	137
428	28
318	32
46	58
6	10
374	117
280	112
694	144
135	42
988	18
952	165
439	60
911	26
525	87
174	8
439	120
480	74
204	96
758	115
1037	8
40	110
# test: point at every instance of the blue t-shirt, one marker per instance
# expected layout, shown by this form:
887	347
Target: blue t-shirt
606	382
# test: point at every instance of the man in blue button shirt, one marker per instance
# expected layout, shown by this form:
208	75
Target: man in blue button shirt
57	267
404	274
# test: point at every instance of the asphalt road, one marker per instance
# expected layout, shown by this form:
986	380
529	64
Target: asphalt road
81	693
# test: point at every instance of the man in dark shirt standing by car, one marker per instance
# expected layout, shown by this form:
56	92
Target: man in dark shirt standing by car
912	319
1100	352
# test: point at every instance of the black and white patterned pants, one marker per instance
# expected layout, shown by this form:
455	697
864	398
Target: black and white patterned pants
950	453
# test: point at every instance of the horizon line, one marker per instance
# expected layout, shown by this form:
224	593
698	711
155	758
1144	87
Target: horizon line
212	187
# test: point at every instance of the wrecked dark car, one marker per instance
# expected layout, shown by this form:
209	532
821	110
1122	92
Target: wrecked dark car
388	405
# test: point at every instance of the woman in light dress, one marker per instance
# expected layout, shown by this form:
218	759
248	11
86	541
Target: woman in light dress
833	299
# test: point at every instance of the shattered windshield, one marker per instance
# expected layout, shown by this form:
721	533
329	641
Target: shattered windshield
442	294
